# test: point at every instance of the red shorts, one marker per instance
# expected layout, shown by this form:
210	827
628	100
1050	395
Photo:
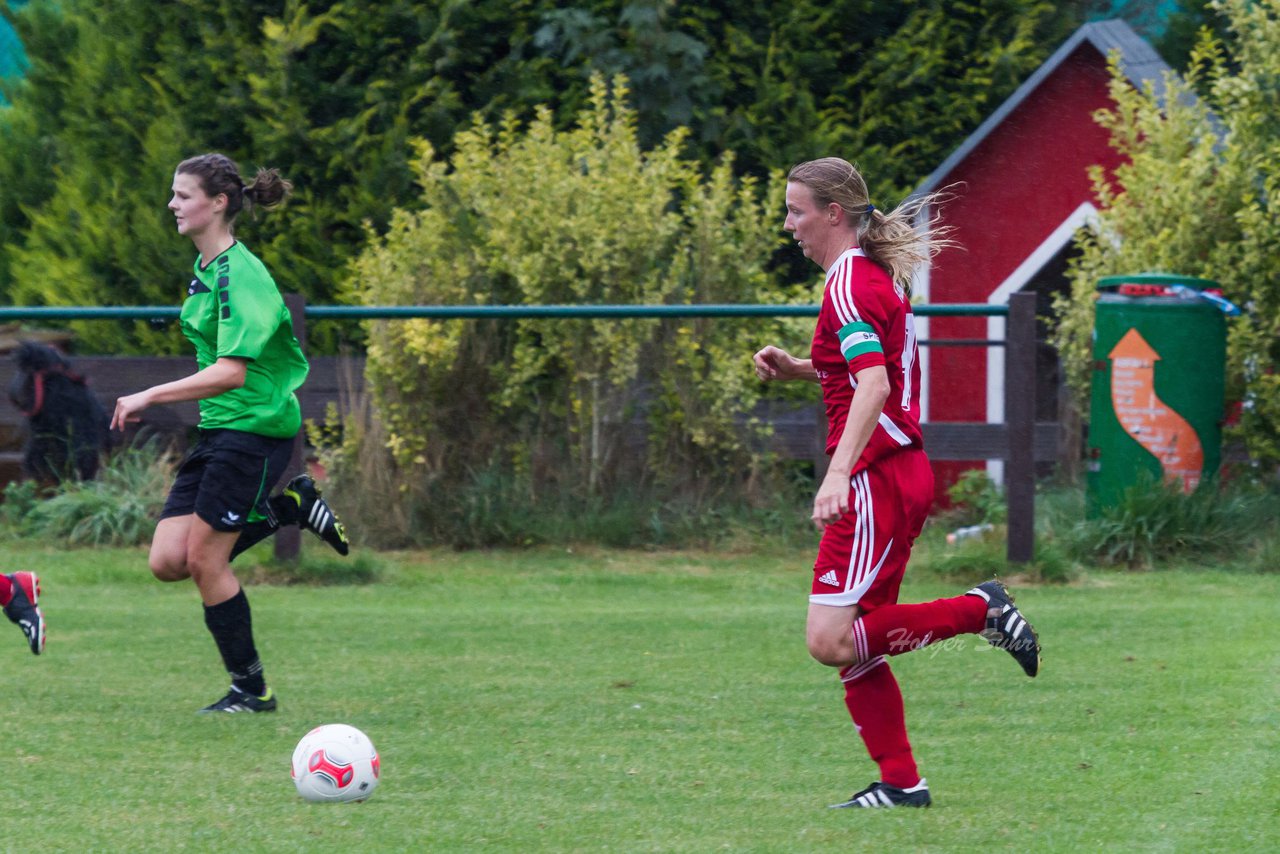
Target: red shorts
862	556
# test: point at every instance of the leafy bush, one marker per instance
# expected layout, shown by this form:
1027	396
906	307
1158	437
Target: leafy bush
1236	524
1198	195
976	499
492	508
486	423
20	498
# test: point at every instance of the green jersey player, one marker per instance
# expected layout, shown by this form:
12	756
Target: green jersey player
250	365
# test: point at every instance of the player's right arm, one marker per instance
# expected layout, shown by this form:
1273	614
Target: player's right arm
223	375
774	363
832	499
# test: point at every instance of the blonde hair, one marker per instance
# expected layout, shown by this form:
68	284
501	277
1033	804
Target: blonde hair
894	240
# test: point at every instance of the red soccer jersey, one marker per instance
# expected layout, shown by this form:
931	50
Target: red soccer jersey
866	320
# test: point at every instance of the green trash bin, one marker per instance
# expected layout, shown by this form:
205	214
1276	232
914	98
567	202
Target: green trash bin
1157	397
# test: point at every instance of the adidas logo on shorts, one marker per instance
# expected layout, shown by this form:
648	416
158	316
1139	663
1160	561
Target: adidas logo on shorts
829	578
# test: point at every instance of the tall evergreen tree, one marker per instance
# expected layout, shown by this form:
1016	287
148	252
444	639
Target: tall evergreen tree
892	85
118	91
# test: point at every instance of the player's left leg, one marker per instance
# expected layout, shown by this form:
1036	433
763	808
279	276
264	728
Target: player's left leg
228	618
863	555
252	534
987	610
241	468
867	554
874	701
899	492
828	633
1006	628
20	595
897	629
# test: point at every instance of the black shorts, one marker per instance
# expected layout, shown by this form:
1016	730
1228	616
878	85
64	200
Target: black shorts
226	478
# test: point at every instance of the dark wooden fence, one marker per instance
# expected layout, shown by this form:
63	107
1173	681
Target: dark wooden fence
798	433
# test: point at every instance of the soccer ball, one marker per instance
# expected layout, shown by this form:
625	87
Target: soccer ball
334	763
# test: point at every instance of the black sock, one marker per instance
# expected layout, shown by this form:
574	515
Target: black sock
232	628
252	534
284	509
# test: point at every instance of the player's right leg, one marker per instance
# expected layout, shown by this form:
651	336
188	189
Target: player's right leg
21	607
860	560
168	557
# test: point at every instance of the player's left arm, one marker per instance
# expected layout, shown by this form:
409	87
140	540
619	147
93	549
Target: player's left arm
832	500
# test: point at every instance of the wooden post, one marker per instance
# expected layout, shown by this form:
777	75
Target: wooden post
288	542
820	458
1020	420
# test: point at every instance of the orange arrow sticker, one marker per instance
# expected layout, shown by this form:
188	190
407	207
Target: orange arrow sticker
1149	420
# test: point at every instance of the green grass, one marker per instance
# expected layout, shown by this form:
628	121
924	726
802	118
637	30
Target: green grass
558	700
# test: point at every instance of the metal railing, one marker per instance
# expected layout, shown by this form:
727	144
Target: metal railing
477	312
1019	429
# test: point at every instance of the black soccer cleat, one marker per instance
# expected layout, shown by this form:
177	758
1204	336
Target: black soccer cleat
23	611
242	701
1006	628
315	514
879	795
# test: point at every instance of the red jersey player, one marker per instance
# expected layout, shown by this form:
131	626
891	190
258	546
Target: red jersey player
19	595
874	499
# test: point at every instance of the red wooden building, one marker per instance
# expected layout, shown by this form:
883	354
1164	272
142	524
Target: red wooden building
1022	190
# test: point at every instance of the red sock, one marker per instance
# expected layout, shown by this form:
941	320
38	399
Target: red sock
895	629
875	704
6	590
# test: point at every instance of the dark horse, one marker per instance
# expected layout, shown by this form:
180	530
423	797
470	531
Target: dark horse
68	426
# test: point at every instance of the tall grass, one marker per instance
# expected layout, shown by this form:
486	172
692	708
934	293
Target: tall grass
119	508
1234	524
1154	523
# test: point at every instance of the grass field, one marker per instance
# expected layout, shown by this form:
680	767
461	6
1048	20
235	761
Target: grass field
627	701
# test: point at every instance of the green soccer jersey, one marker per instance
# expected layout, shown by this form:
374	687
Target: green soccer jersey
233	308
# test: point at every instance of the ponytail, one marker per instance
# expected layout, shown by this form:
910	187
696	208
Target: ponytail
900	240
267	190
219	174
907	237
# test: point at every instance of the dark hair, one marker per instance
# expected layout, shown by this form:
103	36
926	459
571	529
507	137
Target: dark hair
219	174
900	240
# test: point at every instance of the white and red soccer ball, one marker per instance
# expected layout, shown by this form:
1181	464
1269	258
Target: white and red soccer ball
335	763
